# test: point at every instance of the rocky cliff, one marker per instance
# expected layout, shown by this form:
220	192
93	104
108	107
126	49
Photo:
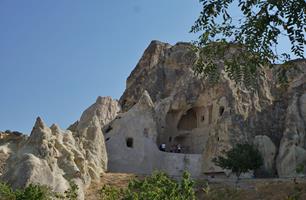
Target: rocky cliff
166	103
206	119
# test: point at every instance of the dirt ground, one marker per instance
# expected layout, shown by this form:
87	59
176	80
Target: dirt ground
219	189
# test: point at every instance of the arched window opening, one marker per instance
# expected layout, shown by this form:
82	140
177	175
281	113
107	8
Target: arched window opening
221	110
129	142
202	118
188	121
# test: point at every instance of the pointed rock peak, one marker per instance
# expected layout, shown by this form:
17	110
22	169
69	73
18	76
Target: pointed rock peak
40	131
145	100
39	123
55	128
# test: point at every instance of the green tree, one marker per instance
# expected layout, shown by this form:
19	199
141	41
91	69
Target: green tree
240	159
256	32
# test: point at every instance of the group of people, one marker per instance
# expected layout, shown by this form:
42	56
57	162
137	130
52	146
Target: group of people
173	149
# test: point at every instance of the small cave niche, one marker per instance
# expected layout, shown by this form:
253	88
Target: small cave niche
221	110
129	142
202	118
188	121
107	139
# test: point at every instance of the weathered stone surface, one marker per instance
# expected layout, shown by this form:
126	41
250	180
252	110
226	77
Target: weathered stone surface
131	144
166	103
53	157
268	151
208	119
293	143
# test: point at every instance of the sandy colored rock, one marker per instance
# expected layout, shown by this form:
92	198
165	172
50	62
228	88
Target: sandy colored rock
53	157
207	119
268	151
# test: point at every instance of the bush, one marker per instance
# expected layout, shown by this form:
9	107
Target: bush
240	159
158	186
111	193
32	192
6	192
36	192
72	192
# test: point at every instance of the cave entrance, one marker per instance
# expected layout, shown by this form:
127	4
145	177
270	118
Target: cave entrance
189	128
188	121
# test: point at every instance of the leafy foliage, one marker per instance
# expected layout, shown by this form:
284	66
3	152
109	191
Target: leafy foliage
36	192
156	187
240	159
239	64
111	193
72	192
32	192
6	192
258	30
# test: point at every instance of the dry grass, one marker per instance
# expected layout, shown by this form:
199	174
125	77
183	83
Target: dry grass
119	180
251	189
256	189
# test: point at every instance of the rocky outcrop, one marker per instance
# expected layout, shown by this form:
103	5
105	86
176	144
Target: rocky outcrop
53	157
166	103
131	144
268	151
292	146
208	119
9	142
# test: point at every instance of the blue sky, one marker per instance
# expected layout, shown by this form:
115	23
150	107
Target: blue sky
57	56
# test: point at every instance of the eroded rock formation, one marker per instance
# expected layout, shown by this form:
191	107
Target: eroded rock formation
166	103
53	157
207	119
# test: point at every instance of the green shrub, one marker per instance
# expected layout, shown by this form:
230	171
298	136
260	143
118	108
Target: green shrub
240	159
158	186
111	193
32	192
6	192
36	192
72	192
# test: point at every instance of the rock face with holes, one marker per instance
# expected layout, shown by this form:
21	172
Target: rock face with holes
132	148
53	157
201	118
171	120
205	119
